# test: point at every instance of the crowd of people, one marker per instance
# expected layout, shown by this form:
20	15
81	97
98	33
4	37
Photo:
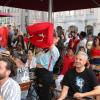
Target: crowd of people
83	53
78	62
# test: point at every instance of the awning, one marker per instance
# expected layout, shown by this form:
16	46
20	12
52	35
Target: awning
2	14
58	5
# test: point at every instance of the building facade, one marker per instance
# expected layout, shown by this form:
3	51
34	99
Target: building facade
22	17
18	17
84	20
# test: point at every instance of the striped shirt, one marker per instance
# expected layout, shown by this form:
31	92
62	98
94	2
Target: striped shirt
10	90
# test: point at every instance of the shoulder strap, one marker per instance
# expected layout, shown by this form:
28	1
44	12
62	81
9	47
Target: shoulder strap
50	62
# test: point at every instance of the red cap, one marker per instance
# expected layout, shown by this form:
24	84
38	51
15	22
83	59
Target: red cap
41	34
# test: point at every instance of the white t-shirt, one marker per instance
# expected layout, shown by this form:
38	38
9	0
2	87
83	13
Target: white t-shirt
10	90
22	75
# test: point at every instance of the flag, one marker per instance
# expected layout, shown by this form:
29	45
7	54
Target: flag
40	34
4	36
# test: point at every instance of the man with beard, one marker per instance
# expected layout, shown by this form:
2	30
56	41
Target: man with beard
9	89
80	82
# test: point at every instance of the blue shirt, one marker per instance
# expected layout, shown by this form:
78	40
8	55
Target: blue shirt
2	49
44	59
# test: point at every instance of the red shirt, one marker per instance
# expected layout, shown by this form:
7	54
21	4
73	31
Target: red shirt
95	52
67	64
73	43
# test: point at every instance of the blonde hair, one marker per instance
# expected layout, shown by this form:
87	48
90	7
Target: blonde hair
83	53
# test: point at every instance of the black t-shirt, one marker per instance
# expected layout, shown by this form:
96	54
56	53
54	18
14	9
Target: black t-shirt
80	82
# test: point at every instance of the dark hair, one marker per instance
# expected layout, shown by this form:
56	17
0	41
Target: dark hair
23	58
89	34
83	34
82	47
59	27
21	40
94	45
98	34
11	65
69	48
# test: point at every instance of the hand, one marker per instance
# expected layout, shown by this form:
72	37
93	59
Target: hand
78	95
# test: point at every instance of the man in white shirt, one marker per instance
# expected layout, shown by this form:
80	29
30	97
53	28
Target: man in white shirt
9	89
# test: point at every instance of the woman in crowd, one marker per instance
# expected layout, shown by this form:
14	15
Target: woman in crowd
31	63
20	40
31	60
95	52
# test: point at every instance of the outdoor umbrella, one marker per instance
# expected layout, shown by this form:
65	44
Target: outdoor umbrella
51	5
57	5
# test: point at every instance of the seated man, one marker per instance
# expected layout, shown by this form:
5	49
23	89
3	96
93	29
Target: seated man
9	89
80	82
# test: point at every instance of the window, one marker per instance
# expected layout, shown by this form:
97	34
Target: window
8	10
72	28
26	10
77	12
26	20
67	13
91	10
72	13
89	29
